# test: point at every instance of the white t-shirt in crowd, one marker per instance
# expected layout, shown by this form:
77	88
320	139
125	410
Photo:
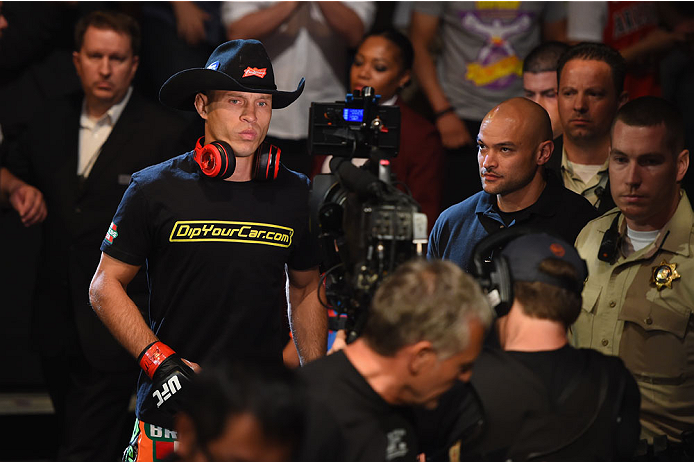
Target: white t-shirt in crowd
304	46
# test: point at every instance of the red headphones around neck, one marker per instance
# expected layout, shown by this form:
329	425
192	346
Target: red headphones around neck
217	160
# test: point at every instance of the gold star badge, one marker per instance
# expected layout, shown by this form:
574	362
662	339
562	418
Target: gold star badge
664	274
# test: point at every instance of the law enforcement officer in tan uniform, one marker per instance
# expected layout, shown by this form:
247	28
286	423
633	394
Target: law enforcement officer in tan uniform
638	298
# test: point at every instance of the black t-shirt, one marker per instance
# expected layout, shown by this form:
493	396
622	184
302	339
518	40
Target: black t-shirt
343	401
215	253
554	368
568	404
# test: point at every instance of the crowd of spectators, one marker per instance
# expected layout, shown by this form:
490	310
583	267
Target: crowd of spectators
573	118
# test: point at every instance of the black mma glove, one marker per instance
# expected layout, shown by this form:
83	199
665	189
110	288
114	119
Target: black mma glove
171	378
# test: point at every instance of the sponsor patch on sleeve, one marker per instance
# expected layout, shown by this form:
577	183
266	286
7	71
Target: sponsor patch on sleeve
112	233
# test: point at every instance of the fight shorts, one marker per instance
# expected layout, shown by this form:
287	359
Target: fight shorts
149	443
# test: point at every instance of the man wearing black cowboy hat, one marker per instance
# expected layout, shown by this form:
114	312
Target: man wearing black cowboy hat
216	227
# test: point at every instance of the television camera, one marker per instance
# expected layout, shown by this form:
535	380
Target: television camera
365	224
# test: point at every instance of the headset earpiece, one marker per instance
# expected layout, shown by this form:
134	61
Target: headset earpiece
490	273
216	159
495	279
495	276
267	162
501	296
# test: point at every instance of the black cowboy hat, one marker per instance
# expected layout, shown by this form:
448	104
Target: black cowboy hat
238	65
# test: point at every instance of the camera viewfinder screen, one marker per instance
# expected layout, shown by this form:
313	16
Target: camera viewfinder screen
353	115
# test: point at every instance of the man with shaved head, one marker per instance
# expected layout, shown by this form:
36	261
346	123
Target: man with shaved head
514	143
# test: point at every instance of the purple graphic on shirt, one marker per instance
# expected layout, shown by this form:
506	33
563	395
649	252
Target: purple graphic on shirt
497	64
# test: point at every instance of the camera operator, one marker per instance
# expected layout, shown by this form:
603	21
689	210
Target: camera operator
424	330
541	397
384	61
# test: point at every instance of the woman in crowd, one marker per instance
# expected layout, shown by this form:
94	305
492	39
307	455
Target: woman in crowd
384	61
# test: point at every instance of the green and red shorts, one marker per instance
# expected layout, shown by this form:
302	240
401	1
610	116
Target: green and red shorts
149	443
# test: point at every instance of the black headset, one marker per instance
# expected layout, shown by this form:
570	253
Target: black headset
217	160
492	271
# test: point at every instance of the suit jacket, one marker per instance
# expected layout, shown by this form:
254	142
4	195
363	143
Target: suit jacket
80	212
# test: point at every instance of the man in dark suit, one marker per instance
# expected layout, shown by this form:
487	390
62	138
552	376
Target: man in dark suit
80	152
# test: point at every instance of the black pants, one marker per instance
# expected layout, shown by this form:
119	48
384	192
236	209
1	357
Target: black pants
91	408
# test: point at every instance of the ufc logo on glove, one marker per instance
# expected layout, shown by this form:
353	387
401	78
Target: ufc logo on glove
170	377
168	388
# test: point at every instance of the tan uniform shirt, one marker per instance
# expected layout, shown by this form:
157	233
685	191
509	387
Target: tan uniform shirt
574	183
652	330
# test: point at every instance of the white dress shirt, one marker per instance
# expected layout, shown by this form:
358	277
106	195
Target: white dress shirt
94	132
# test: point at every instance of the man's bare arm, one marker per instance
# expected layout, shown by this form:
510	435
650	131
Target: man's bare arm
114	307
261	23
308	318
344	21
423	28
24	198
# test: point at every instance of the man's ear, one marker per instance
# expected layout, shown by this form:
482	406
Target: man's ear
136	64
682	164
421	357
185	435
201	105
623	99
76	61
544	152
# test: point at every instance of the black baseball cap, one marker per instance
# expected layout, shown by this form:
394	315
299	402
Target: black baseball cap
524	255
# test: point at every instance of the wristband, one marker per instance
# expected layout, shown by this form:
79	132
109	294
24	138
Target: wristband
444	112
152	357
